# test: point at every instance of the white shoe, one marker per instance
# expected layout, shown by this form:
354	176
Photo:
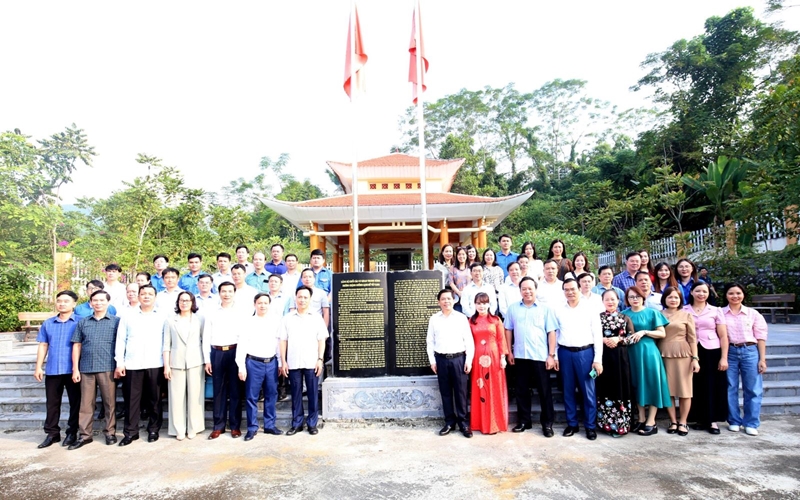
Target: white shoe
733	428
179	438
191	435
751	431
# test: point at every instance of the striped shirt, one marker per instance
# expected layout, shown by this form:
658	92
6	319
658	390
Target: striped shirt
746	326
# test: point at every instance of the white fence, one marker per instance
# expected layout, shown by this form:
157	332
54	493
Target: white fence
381	267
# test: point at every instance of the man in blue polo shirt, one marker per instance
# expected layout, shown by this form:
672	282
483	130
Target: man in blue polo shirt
188	281
505	256
160	262
276	265
323	277
55	343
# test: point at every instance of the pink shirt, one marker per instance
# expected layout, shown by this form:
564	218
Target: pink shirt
747	326
705	324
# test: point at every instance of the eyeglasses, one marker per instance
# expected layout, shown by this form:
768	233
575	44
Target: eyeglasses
634	297
186	301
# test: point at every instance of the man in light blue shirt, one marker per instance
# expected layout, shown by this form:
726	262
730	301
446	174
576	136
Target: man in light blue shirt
259	278
531	339
188	281
85	310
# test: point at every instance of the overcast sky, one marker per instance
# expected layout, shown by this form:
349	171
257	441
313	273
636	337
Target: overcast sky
211	87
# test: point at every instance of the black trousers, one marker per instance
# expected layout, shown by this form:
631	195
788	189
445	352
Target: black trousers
142	388
453	384
530	374
227	386
54	386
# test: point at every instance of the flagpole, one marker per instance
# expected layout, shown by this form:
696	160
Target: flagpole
354	115
421	124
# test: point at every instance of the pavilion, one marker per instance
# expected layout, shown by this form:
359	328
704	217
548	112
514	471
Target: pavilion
390	211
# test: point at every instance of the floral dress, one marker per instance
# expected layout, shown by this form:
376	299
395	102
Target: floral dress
613	387
489	400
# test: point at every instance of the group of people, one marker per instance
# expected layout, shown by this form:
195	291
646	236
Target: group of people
643	339
248	331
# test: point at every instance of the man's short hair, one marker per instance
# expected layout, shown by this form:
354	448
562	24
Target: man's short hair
239	266
548	261
242	246
303	287
442	292
96	283
262	294
170	270
583	275
194	255
522	256
515	263
143	273
528	278
159	256
277	245
275	275
286	257
224	284
317	251
145	287
474	265
223	255
636	276
308	269
68	293
631	254
569	280
504	235
99	292
113	267
205	275
603	268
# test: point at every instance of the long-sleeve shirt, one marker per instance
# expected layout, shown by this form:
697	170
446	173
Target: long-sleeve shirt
624	280
261	338
746	326
223	327
580	326
140	340
449	334
468	294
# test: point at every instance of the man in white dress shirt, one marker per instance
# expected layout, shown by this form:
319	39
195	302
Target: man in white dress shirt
113	286
579	357
220	338
550	291
645	286
586	283
131	302
139	359
167	299
258	356
223	273
206	300
292	275
475	287
303	335
450	352
509	292
245	294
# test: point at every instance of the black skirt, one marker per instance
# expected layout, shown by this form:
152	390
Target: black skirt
710	387
615	382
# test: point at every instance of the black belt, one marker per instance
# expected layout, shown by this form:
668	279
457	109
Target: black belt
575	349
260	360
452	355
224	347
744	344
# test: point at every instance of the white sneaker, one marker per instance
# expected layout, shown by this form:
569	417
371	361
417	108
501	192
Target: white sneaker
733	428
751	431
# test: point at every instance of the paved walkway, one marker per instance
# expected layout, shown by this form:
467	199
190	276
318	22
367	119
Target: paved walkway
377	462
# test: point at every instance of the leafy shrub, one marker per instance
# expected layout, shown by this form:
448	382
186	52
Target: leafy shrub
16	286
542	238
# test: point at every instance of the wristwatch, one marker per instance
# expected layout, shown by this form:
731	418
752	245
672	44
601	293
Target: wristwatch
695	358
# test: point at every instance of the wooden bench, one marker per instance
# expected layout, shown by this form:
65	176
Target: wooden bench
33	321
780	302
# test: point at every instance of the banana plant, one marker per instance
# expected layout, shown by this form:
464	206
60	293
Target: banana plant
719	182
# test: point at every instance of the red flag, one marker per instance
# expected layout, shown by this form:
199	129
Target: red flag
412	50
354	71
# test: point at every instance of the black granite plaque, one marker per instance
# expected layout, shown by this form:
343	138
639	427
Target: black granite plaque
359	324
412	301
380	322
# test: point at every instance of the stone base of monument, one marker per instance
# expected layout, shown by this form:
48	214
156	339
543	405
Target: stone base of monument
381	399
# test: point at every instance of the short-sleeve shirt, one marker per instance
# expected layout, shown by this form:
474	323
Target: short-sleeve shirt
504	260
646	319
57	335
530	325
747	326
98	339
85	310
302	332
705	324
323	280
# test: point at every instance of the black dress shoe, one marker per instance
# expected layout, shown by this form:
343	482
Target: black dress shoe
250	435
547	432
446	430
111	440
294	430
274	431
466	432
79	443
591	435
569	431
648	430
313	431
48	441
521	427
152	437
128	440
70	440
713	430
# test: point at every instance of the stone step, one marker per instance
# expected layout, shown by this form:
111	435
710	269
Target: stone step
780	405
782	373
783	348
783	360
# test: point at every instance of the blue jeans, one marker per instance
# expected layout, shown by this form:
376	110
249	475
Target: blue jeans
261	376
575	368
743	361
296	378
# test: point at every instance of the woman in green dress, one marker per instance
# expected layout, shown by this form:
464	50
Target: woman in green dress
648	375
